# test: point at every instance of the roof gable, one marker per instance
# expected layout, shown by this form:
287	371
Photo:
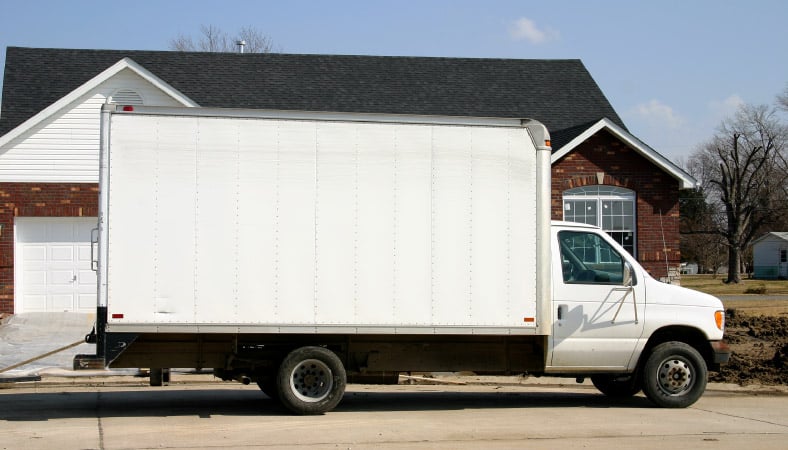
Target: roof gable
125	63
686	181
559	93
772	236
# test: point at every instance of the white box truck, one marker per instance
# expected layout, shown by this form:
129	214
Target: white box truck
302	251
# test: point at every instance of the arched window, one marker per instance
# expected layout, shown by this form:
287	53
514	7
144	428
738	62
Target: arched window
609	207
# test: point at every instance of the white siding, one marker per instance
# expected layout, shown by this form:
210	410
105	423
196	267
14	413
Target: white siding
64	147
766	252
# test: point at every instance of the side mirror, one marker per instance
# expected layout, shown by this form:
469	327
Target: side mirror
628	278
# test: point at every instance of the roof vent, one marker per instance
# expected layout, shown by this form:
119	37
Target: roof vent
126	97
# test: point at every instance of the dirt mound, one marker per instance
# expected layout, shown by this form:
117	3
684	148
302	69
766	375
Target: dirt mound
760	350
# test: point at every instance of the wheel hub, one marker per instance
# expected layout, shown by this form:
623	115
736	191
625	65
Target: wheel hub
675	376
311	381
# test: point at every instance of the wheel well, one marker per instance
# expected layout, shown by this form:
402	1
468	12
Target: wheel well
688	335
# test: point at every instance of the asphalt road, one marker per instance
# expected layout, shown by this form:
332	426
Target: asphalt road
228	415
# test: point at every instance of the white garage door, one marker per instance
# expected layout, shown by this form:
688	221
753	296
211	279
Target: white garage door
52	264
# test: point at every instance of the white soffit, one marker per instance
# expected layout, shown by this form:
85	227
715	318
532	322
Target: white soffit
125	63
686	181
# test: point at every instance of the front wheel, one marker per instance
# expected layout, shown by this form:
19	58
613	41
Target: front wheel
311	380
674	375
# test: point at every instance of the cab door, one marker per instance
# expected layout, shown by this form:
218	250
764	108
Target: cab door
598	302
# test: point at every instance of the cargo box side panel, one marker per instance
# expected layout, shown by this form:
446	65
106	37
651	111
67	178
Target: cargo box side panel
286	223
336	217
260	209
491	280
293	261
151	233
216	227
373	224
392	225
483	246
411	248
522	253
452	173
173	222
372	218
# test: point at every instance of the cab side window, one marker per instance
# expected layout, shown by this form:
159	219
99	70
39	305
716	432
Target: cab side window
586	258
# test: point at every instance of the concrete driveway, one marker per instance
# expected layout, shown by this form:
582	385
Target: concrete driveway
227	415
25	336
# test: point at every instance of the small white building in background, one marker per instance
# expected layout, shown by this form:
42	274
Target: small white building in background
689	268
770	255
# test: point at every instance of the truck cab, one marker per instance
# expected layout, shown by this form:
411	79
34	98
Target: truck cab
609	315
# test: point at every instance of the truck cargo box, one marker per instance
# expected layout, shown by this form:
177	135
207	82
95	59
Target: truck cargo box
220	221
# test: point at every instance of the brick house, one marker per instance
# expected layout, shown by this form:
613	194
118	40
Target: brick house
49	141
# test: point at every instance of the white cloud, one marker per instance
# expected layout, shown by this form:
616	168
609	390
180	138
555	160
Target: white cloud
525	29
657	113
662	128
726	107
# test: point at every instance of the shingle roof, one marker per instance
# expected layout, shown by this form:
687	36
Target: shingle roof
559	93
782	235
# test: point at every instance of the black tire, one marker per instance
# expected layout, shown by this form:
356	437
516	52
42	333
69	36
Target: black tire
616	386
267	384
674	375
311	380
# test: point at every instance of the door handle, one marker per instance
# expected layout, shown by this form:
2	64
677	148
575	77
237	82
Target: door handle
561	312
93	242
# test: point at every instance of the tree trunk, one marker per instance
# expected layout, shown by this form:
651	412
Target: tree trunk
734	263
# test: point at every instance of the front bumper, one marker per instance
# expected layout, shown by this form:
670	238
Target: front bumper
721	352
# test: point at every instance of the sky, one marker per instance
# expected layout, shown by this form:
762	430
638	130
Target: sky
672	69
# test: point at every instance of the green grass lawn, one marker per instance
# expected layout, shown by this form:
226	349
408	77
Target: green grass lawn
715	286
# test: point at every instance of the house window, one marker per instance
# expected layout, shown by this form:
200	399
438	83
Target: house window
783	256
608	207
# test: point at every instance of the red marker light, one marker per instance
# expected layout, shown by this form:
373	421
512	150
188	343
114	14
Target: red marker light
128	108
117	316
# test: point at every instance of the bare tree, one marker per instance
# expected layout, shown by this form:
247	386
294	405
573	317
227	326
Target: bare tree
213	39
698	244
256	41
744	173
782	100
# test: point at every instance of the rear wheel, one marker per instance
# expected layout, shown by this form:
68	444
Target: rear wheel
311	380
616	386
674	375
267	384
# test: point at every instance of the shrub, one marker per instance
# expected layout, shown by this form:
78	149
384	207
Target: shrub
761	290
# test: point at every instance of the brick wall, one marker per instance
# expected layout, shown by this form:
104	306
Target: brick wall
656	193
36	200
